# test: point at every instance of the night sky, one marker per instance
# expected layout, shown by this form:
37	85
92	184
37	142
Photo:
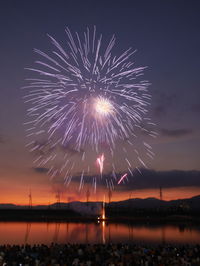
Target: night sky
166	36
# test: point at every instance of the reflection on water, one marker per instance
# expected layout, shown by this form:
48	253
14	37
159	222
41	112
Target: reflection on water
37	233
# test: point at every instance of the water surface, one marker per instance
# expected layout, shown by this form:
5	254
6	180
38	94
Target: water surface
46	233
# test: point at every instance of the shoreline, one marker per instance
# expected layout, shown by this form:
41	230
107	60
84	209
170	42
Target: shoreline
29	215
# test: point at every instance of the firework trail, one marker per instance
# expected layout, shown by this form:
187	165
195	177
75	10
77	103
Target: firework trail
81	97
100	162
122	178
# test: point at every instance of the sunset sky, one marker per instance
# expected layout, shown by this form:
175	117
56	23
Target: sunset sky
166	36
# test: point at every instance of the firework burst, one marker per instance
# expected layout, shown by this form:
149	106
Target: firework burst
82	98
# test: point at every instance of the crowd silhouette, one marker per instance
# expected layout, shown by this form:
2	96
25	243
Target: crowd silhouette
99	255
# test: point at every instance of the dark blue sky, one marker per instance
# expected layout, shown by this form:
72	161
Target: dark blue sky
166	35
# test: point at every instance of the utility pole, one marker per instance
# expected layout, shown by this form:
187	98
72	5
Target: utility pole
68	201
58	199
109	195
30	199
87	196
161	194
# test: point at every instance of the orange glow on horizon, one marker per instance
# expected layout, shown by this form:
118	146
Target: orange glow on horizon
16	192
45	195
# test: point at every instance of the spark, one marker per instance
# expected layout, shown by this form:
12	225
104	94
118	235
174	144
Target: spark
122	178
100	162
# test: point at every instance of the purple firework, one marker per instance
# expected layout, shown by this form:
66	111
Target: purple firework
84	100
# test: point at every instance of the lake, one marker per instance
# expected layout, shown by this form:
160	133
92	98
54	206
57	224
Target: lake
102	232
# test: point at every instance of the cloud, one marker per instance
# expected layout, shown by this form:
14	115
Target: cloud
46	147
142	179
68	148
166	179
148	179
175	133
41	170
164	102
